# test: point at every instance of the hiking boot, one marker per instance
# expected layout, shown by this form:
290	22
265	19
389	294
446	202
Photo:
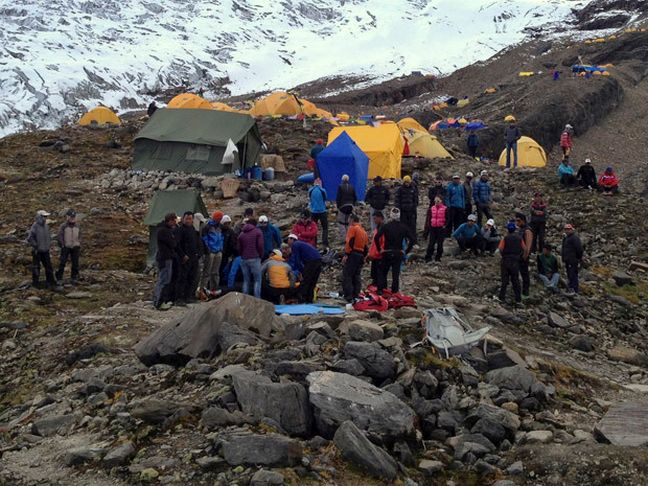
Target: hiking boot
165	307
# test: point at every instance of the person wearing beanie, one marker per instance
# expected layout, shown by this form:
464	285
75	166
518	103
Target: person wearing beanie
69	240
572	255
306	229
355	252
538	222
468	235
345	200
456	203
609	183
305	261
317	149
483	197
527	238
435	229
40	240
271	236
548	271
377	198
490	238
511	249
317	197
406	201
586	175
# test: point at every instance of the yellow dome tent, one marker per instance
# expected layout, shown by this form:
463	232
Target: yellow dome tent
101	116
425	145
530	154
189	101
412	124
217	105
382	144
281	103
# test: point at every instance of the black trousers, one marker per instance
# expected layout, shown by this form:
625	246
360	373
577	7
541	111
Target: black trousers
472	151
510	270
311	274
539	229
273	294
473	244
483	210
524	273
375	272
323	219
437	237
468	211
488	246
42	258
73	255
408	218
187	273
455	218
390	261
568	180
351	276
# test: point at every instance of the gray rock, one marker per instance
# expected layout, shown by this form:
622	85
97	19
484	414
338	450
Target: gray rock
509	421
628	355
582	343
625	424
555	320
337	398
80	455
267	478
214	417
538	437
208	330
56	424
515	469
492	430
349	366
377	362
365	331
263	450
357	449
119	455
512	378
211	463
429	467
622	278
153	411
287	403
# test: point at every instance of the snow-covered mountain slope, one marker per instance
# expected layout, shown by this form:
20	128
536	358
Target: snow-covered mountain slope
60	57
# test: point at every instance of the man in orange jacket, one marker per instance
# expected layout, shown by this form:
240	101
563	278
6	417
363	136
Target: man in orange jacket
355	251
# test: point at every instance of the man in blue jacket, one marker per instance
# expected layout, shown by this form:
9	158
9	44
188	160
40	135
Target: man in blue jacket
307	261
468	235
317	203
483	197
455	201
271	236
213	243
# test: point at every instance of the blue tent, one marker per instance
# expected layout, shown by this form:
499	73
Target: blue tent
341	157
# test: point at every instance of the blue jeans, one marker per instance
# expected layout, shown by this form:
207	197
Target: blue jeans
513	147
551	283
162	288
251	269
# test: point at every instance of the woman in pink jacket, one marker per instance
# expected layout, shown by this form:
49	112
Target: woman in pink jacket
435	228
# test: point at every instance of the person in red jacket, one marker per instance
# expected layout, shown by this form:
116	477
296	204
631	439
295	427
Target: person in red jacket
609	182
566	141
435	223
374	255
306	229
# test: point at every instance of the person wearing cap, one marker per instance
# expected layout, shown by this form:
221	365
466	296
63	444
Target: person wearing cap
374	255
586	175
608	182
511	136
306	261
377	198
407	203
511	249
389	241
527	238
40	240
69	241
271	236
317	197
345	200
306	229
490	238
230	249
278	279
250	247
566	173
483	197
538	223
468	188
548	271
566	141
473	143
435	229
456	203
317	149
189	250
214	241
572	255
468	235
355	251
165	257
437	189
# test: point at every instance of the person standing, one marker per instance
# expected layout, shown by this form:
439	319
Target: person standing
271	236
483	197
355	251
548	271
407	203
566	140
538	222
189	251
40	240
317	149
152	108
511	249
435	229
69	240
250	247
378	198
586	175
473	143
345	200
374	255
230	249
307	262
306	229
165	257
213	243
456	203
527	238
395	234
511	136
317	202
468	188
437	190
572	255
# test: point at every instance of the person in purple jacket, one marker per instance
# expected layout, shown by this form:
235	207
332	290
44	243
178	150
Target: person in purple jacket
250	247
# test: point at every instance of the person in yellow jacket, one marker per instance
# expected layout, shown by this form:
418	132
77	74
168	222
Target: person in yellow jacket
278	279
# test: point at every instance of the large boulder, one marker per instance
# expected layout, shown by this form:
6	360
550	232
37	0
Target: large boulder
512	378
377	362
208	330
625	424
287	403
357	449
244	448
338	397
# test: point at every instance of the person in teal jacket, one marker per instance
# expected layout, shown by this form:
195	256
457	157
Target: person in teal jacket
468	235
566	174
271	236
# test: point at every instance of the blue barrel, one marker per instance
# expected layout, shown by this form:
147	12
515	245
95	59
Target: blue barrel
268	174
307	178
256	173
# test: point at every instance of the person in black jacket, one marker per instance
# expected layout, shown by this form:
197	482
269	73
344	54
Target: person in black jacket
189	251
437	190
572	254
152	108
230	248
407	203
395	233
345	200
378	198
586	175
511	249
166	254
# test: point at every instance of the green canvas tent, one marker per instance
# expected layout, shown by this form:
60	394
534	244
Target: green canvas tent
165	202
194	141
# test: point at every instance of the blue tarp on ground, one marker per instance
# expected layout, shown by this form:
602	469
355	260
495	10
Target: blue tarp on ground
341	157
308	309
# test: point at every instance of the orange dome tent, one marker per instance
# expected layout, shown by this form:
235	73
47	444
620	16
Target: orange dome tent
100	116
189	101
281	103
217	105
